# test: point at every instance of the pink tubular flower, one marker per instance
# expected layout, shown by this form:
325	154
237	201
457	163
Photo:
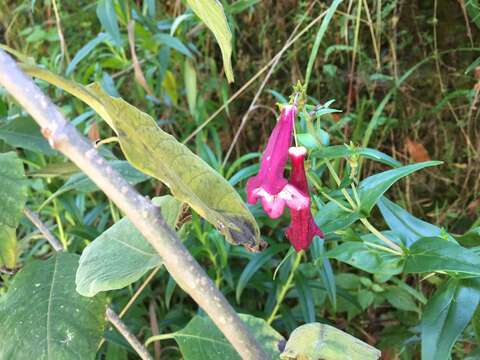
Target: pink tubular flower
269	184
302	227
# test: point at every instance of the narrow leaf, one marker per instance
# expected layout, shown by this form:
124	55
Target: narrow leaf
437	254
404	223
446	315
211	13
108	18
373	187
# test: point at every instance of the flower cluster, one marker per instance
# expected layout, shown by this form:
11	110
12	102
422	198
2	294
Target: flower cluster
275	192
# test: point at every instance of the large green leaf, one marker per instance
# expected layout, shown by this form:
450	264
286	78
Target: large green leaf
320	341
404	223
446	315
160	155
340	151
201	339
373	187
437	254
121	255
367	258
43	317
211	13
13	195
23	132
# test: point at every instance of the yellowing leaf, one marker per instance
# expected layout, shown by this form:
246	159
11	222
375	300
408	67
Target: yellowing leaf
317	341
13	195
190	78
169	84
8	246
211	13
156	153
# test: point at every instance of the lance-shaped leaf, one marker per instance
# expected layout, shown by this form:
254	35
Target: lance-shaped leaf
42	316
13	194
446	315
121	255
211	13
316	341
156	153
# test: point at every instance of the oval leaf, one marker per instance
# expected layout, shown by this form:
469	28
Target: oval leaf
320	341
43	317
121	255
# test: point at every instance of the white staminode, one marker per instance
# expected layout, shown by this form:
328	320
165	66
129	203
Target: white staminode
297	151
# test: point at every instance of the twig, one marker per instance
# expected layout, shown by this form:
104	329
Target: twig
132	340
185	270
110	314
33	217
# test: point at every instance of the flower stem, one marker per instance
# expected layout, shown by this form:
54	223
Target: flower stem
382	237
285	287
355	205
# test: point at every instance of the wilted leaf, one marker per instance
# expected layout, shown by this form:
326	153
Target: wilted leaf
121	255
317	341
13	195
42	316
211	13
417	151
201	339
157	153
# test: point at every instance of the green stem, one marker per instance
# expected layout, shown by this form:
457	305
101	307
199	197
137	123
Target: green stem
285	287
58	219
382	237
159	338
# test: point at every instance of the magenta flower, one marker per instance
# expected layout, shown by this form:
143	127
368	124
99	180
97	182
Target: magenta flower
302	226
269	184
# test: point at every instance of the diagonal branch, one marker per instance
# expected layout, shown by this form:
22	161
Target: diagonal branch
142	213
110	314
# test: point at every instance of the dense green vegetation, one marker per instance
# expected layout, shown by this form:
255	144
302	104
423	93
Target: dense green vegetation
405	80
